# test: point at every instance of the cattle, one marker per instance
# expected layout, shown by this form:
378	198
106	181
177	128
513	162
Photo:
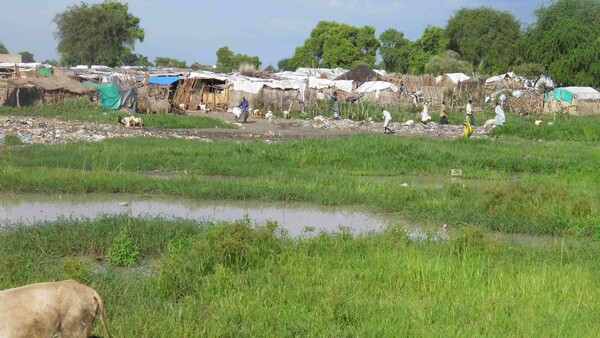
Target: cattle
49	310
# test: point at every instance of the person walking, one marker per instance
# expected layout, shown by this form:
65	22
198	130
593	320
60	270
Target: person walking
470	116
500	117
387	118
245	107
443	117
336	106
425	118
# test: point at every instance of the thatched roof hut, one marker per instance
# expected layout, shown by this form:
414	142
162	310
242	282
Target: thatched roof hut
361	74
32	91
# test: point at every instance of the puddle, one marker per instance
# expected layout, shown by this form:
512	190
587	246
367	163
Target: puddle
31	209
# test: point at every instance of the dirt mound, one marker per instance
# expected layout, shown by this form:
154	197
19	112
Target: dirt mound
361	74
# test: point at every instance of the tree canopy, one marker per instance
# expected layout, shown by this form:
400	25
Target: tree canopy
3	49
566	40
486	37
168	62
91	33
27	57
332	44
432	43
394	51
449	62
228	61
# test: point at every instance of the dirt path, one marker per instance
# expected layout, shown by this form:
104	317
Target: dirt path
52	131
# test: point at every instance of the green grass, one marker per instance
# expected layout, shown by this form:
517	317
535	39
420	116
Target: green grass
84	110
563	128
239	279
530	187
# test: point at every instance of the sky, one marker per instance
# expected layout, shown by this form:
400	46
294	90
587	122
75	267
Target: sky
193	30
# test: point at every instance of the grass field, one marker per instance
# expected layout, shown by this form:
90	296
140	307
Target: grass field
179	278
84	110
239	279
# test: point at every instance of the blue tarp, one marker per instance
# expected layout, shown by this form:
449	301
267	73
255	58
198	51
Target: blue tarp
163	80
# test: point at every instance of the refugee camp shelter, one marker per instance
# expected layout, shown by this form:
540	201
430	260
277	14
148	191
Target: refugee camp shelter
21	92
203	88
572	100
382	91
11	58
361	74
507	80
451	79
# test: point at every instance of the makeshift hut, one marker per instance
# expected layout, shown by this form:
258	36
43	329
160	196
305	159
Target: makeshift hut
20	92
280	95
380	91
203	88
361	74
451	79
572	100
508	80
156	96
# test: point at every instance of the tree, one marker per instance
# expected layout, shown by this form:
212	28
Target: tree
3	49
27	57
449	62
433	42
394	50
565	39
227	60
332	44
52	63
283	65
132	59
486	37
97	32
169	63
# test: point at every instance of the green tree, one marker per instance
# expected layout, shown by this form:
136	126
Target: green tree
332	44
90	33
449	62
565	39
3	49
433	42
169	63
228	61
52	63
486	37
27	57
394	50
132	59
283	65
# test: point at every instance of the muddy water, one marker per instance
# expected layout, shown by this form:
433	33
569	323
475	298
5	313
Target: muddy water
30	209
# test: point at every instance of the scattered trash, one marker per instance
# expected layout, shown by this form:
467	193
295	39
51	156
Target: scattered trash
456	173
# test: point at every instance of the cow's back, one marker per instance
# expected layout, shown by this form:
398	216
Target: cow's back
53	309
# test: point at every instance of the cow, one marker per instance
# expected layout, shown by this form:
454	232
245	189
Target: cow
47	310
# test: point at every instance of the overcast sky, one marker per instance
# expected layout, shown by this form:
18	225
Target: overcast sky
271	29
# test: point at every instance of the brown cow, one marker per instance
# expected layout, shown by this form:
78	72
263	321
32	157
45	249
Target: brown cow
57	309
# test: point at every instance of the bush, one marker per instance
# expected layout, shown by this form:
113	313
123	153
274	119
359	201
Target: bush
123	251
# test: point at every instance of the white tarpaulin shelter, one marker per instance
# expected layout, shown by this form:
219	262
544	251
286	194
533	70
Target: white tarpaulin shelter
499	78
207	76
345	85
454	77
374	86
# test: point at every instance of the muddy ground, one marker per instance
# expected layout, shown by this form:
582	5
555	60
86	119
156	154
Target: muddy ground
53	131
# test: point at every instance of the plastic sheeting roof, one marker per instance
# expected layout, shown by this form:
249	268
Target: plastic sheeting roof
584	93
163	80
500	77
373	86
208	76
345	85
454	77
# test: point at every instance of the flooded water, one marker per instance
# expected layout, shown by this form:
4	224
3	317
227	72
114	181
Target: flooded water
295	218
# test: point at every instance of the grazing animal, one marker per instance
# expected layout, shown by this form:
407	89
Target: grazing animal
130	121
259	112
409	123
286	114
269	116
203	108
48	310
489	123
538	122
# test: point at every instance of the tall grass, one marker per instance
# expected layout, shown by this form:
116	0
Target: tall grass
562	128
241	279
527	187
84	110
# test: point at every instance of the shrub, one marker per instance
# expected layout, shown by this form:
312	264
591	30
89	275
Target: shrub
123	251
